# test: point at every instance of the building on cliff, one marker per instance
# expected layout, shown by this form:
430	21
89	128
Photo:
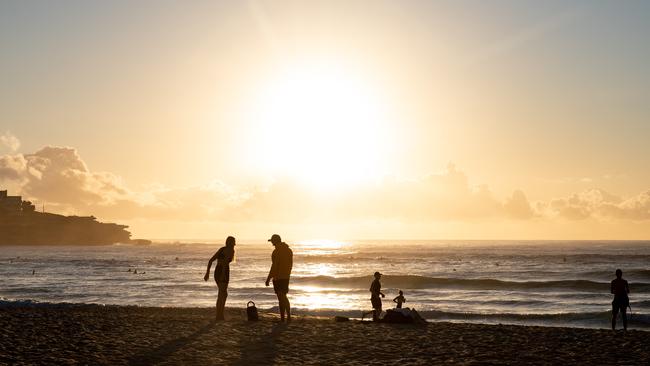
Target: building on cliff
21	224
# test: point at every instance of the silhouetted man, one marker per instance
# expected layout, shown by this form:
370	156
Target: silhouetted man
281	264
375	300
620	289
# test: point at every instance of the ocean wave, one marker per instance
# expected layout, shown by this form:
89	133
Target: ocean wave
20	303
630	273
26	290
444	256
638	273
424	282
642	303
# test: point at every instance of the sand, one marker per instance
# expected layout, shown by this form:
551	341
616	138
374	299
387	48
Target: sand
138	336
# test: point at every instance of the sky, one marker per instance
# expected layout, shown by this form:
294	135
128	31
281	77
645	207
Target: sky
334	119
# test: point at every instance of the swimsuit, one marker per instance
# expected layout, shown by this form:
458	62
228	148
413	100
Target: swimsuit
222	270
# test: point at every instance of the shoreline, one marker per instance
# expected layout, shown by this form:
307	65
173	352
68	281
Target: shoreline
135	335
532	320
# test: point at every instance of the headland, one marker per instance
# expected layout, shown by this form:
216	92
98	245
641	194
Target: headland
21	224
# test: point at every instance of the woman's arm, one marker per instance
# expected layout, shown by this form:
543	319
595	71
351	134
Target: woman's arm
207	272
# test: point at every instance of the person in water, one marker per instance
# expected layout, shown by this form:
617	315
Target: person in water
223	256
620	289
280	272
399	299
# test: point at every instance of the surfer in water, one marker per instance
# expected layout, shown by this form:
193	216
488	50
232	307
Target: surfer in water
620	289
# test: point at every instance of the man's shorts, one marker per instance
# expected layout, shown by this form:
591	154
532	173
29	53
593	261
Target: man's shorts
281	286
620	304
376	302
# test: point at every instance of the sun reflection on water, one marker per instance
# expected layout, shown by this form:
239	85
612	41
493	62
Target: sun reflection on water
314	297
321	246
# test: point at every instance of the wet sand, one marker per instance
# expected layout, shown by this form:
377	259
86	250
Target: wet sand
138	336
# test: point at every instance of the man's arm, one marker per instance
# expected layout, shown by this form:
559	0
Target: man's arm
272	270
611	288
290	260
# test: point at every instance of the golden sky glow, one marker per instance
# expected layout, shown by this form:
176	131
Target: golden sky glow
332	119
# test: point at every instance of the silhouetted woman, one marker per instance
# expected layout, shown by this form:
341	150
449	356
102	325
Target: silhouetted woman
223	256
620	289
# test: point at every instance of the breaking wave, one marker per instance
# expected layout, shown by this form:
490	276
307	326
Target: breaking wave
424	282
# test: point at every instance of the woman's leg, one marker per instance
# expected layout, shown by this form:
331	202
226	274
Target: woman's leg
221	299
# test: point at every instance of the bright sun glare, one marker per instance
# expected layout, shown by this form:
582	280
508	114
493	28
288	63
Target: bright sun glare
321	125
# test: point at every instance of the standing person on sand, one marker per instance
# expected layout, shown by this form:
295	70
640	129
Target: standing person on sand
281	264
223	256
620	289
375	292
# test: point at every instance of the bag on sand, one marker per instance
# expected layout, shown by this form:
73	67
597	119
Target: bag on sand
251	311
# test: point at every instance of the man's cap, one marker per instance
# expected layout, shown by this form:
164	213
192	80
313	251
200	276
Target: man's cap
377	273
275	238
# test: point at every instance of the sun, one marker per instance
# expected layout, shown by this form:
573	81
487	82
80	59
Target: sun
322	125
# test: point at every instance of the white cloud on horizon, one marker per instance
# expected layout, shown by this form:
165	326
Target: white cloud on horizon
596	203
60	176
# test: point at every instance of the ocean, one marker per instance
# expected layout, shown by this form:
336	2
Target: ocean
548	283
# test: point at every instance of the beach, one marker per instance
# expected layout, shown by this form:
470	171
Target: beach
93	334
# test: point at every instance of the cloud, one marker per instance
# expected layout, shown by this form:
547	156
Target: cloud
208	202
635	208
441	196
582	205
9	142
444	196
12	167
596	203
517	206
59	177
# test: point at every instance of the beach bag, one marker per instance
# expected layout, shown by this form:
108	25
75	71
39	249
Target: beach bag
251	311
